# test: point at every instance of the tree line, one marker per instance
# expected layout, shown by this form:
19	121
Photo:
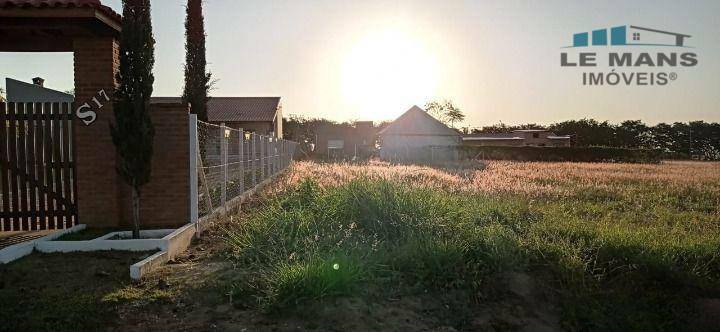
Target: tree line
695	138
678	140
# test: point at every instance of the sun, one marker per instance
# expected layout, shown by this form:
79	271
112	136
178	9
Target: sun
386	73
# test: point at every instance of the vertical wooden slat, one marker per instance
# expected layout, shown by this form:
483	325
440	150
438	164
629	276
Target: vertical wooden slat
47	157
31	169
21	167
42	200
12	163
4	173
66	184
57	163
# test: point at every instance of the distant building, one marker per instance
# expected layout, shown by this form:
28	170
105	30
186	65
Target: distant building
526	137
22	92
261	115
346	142
417	136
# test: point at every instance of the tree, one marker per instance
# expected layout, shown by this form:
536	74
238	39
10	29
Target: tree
445	111
133	132
197	80
633	134
2	95
435	109
587	132
454	114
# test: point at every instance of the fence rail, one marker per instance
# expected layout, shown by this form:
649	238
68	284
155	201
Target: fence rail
229	162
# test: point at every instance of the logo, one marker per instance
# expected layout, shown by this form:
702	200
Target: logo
623	51
639	36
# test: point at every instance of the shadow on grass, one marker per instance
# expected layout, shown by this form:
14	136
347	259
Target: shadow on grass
72	291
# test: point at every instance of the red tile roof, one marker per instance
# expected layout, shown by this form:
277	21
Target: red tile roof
230	109
236	109
41	4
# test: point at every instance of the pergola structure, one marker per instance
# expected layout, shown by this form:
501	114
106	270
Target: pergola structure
53	25
90	30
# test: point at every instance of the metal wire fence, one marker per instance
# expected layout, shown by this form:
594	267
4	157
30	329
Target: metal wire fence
232	161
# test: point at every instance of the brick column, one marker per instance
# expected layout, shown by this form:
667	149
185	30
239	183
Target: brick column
96	62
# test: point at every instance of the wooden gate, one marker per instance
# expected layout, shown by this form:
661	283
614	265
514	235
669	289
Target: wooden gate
37	169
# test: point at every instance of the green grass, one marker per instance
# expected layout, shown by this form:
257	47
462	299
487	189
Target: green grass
634	257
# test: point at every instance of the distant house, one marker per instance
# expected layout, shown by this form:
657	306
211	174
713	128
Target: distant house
417	136
351	141
527	137
261	115
22	92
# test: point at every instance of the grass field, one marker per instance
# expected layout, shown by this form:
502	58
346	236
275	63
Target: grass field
504	246
612	246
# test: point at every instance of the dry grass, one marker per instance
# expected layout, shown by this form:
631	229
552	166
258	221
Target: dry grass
527	178
617	238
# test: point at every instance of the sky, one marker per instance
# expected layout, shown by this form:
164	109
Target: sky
499	61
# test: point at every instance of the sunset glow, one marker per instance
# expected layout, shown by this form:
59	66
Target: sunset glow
387	72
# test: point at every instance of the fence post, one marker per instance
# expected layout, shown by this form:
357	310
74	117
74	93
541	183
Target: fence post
253	151
271	157
262	158
224	161
274	156
278	159
193	132
241	159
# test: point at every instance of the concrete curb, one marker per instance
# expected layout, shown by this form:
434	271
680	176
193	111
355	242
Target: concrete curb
102	243
20	250
148	265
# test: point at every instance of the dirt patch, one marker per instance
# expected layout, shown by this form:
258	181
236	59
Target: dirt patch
709	315
519	303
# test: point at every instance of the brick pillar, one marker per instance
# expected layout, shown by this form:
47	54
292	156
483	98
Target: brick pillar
96	62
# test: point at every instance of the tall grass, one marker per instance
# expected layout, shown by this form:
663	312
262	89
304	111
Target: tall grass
382	232
640	238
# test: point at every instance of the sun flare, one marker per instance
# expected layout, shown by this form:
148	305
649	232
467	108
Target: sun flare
385	73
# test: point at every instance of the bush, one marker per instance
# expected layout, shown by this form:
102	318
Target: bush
575	154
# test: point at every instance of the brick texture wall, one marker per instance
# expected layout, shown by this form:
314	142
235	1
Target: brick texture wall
104	200
96	62
165	199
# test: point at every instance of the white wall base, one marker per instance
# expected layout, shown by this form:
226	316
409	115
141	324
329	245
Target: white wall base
102	243
20	250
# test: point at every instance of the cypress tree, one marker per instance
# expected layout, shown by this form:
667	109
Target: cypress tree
197	80
132	132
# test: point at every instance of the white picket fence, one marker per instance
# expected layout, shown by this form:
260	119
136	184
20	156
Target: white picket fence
229	163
